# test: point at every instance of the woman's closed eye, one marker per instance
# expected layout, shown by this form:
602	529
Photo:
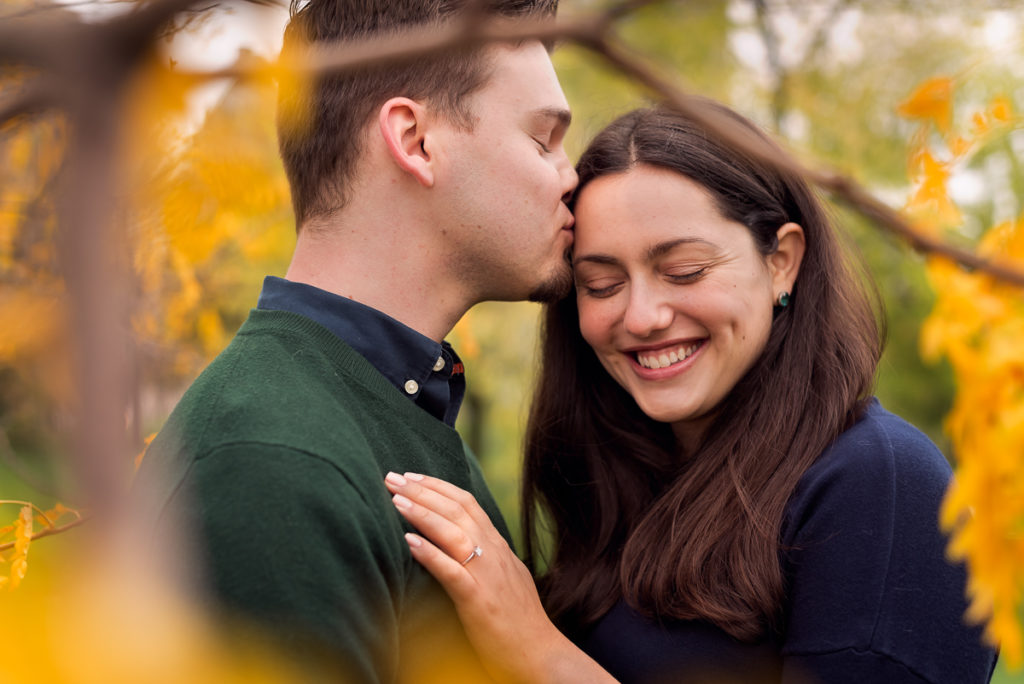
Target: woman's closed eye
682	276
603	287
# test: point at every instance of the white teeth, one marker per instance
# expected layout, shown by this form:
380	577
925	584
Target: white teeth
666	359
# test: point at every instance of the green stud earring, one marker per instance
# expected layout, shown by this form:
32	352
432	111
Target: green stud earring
783	299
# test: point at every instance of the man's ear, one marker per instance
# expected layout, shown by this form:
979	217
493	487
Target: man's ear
403	125
784	262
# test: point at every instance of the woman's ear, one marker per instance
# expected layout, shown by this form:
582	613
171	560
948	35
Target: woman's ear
784	262
403	125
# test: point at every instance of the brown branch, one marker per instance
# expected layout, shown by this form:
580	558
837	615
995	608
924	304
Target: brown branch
856	197
42	513
60	38
49	531
592	32
843	188
89	65
30	99
821	32
321	60
779	72
57	7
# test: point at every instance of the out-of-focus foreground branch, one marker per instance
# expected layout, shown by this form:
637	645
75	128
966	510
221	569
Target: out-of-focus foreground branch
597	34
83	69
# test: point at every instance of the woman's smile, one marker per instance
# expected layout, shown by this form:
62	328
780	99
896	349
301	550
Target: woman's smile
671	357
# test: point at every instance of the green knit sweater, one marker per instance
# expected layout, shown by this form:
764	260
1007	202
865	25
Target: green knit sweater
275	460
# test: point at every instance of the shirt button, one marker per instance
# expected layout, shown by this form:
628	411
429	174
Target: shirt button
412	387
439	364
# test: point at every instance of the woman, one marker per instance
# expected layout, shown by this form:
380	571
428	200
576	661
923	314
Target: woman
726	500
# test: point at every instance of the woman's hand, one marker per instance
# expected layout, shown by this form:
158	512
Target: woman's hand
493	591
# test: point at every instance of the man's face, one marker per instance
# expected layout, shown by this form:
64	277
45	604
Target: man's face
509	228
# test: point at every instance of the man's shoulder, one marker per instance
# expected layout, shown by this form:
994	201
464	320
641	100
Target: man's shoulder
297	389
266	393
285	375
259	391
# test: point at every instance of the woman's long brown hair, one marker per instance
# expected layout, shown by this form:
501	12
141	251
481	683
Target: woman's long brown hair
696	535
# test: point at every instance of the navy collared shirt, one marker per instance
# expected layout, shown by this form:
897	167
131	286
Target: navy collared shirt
429	373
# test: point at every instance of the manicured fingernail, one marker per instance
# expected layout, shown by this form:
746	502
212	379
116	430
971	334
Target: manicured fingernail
413	540
401	502
395	479
415	477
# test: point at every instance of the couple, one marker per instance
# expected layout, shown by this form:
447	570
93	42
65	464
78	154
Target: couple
727	502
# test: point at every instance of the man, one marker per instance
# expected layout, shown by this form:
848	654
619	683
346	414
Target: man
420	188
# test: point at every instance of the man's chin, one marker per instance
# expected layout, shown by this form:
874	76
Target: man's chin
556	287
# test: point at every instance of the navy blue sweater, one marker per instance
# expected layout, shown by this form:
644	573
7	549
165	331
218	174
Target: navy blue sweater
870	596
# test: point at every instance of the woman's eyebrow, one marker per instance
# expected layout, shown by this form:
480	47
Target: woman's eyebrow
663	248
654	252
596	259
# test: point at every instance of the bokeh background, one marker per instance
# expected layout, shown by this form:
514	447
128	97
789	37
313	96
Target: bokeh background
207	212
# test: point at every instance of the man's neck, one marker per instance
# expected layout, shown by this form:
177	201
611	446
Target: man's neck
391	270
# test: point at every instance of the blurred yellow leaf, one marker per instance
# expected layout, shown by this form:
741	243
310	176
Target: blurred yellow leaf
931	102
29	322
22	540
931	198
959	146
1001	109
142	452
980	123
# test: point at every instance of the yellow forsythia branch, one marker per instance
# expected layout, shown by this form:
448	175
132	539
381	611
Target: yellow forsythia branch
977	324
22	530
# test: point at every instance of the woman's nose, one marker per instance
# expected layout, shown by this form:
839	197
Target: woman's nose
646	313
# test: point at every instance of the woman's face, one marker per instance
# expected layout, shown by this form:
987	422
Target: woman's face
674	298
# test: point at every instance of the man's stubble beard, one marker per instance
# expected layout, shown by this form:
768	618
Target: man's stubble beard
555	287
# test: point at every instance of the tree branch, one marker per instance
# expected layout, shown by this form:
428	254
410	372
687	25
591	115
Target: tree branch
49	531
593	32
40	511
43	8
856	197
843	188
30	99
420	42
778	70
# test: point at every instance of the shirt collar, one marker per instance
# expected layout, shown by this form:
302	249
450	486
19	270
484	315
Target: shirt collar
428	372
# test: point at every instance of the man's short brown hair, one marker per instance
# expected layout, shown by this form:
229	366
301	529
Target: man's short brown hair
320	156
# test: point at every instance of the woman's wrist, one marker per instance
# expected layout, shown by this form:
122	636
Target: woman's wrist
562	662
